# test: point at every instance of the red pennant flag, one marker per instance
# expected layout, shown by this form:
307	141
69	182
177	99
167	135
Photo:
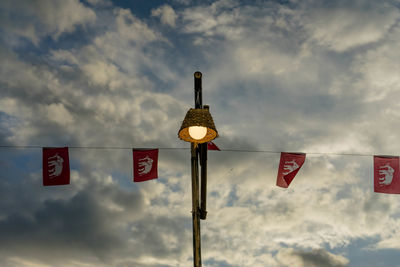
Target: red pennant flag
386	175
56	166
145	163
289	166
212	146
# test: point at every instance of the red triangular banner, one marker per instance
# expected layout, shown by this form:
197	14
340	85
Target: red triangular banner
56	166
145	164
386	174
289	166
212	146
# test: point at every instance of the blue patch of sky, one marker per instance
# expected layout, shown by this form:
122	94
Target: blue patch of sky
7	39
179	53
81	36
214	194
6	123
65	41
16	164
396	215
179	56
159	201
176	187
141	8
213	262
262	251
360	256
123	179
16	161
74	164
180	48
232	197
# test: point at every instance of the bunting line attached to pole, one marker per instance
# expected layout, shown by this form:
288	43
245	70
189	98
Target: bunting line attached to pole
186	148
56	169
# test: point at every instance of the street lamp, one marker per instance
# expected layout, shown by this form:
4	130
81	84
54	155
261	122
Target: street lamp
198	128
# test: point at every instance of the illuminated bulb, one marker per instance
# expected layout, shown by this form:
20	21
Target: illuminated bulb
197	132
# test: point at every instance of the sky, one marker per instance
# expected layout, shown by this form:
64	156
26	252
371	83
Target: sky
318	77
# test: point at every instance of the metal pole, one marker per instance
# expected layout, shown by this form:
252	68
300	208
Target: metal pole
195	207
195	179
203	185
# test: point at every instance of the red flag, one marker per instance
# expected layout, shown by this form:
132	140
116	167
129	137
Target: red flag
386	175
55	166
145	163
289	166
212	146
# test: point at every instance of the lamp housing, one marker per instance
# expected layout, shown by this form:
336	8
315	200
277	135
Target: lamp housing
201	118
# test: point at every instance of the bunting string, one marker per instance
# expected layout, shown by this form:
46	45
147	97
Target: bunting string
182	148
56	169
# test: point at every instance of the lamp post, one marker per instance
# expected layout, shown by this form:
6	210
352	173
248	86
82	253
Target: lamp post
198	128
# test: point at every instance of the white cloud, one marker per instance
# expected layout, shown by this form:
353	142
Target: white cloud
132	28
59	114
45	18
166	13
379	69
343	25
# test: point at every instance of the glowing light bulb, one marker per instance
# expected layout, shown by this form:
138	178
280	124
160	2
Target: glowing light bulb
197	132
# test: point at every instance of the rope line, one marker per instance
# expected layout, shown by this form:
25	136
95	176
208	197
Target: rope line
85	147
181	148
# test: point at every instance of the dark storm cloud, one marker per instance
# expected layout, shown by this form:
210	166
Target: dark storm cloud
94	221
319	258
84	221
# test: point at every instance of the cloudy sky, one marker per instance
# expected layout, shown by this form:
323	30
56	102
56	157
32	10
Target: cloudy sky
320	77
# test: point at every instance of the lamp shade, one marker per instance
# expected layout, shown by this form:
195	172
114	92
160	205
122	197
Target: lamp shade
195	120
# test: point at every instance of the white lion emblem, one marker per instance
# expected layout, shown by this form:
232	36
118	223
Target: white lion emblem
290	166
55	164
145	165
387	173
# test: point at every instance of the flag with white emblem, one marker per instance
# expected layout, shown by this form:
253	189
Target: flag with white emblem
289	166
56	166
386	174
145	163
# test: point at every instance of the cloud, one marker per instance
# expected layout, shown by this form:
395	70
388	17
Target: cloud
88	222
263	67
57	113
377	69
166	13
314	258
342	25
101	91
43	18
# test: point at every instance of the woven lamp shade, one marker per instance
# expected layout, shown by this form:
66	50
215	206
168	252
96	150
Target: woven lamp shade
198	117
